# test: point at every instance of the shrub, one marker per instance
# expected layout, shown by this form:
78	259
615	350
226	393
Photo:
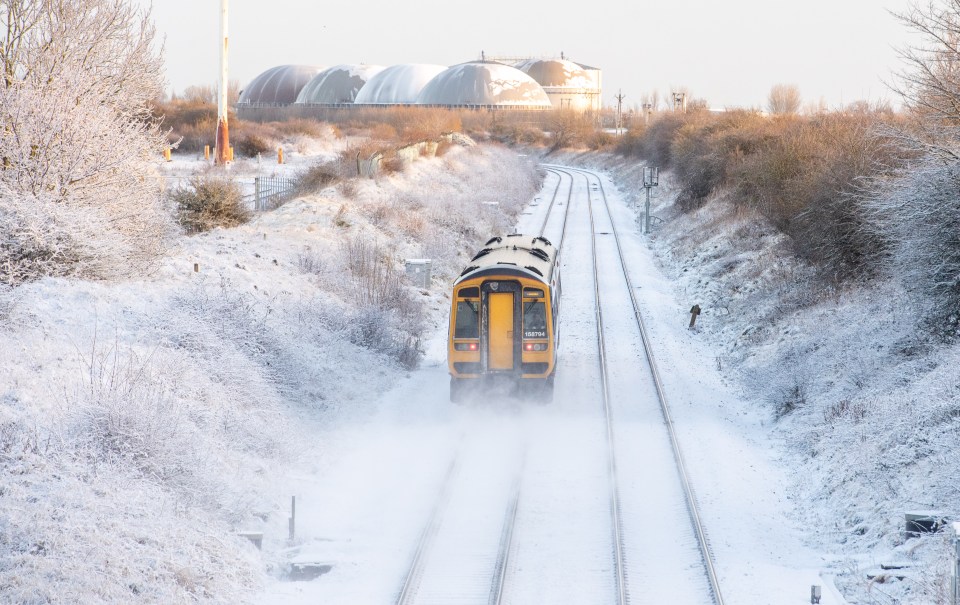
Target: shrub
210	202
318	177
388	319
252	144
917	215
803	174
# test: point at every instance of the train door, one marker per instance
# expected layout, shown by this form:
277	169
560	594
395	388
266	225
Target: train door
500	305
501	302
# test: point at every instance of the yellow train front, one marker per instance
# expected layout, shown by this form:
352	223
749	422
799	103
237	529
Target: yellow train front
503	320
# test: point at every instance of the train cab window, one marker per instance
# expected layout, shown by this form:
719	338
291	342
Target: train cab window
534	320
468	319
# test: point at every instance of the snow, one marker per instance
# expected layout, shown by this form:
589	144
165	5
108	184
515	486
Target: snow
146	423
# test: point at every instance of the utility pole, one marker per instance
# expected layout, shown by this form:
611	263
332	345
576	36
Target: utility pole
620	97
680	102
651	178
647	109
223	131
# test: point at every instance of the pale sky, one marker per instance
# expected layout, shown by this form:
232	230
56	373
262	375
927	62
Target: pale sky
728	52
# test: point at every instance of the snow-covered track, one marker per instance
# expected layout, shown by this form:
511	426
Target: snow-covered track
615	505
464	549
548	228
625	417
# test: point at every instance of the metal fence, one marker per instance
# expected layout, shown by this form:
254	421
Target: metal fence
258	193
270	191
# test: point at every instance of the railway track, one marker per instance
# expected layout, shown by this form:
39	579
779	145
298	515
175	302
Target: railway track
631	425
427	579
476	546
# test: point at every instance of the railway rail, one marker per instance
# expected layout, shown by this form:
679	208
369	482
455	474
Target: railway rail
411	588
683	476
503	505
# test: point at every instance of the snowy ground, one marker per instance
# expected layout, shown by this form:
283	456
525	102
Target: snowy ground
866	434
144	424
362	513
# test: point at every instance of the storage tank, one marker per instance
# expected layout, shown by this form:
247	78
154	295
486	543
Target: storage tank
484	83
280	84
338	84
397	84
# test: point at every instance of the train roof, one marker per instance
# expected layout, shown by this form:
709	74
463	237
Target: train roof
532	256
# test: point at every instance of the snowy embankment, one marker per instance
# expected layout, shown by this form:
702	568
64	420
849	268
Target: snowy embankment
145	423
864	402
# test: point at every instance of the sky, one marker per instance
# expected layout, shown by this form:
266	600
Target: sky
729	53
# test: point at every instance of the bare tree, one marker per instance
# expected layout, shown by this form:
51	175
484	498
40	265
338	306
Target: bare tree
568	127
784	99
77	132
200	93
930	82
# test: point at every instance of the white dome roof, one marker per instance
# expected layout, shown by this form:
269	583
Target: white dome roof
338	84
556	73
397	84
279	84
484	83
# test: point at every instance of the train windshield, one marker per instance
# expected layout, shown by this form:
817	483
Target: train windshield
534	320
468	319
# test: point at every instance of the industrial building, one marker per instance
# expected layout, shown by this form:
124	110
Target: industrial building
568	85
278	85
520	85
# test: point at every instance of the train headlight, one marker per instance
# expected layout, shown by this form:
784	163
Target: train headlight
535	346
465	346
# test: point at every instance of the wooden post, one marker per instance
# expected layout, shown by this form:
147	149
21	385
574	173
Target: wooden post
206	152
166	154
230	154
196	267
279	155
694	311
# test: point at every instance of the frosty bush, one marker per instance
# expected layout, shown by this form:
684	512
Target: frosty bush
125	413
43	236
78	134
210	202
919	216
388	319
318	177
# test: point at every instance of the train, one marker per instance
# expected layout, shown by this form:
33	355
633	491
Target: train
503	320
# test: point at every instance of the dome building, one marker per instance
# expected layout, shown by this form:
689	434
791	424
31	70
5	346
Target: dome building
569	85
397	84
278	85
337	85
484	83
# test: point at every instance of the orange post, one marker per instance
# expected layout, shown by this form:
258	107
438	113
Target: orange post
230	154
166	154
222	149
279	155
206	152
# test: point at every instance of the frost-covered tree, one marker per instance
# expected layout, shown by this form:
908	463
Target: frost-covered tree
930	80
919	215
77	138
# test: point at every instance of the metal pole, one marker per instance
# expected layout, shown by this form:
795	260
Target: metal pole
646	211
293	517
955	576
223	131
